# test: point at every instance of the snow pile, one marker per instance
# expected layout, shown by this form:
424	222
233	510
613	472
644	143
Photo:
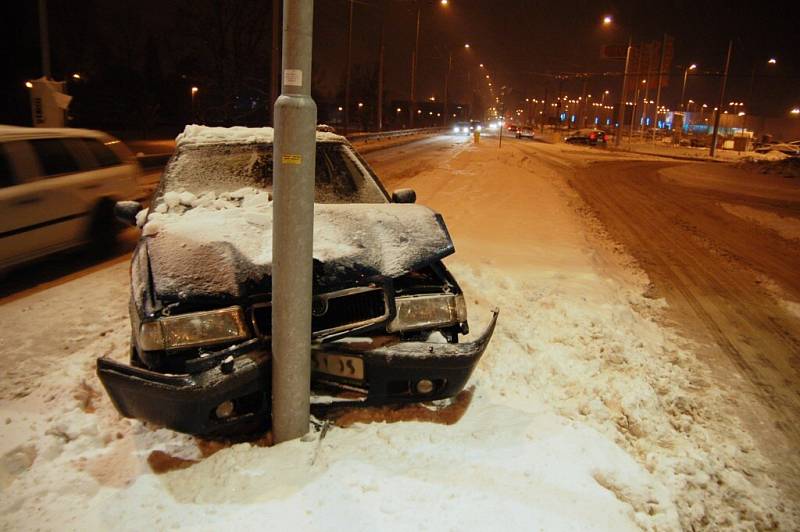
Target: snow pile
230	235
195	135
786	226
586	413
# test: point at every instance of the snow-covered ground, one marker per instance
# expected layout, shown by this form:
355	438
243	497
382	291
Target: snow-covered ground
585	412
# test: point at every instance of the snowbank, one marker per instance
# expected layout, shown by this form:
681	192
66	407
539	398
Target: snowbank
586	413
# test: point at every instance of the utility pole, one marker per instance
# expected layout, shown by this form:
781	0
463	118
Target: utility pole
621	117
347	68
658	90
275	83
446	86
44	39
380	71
582	105
721	100
412	107
294	160
545	113
649	71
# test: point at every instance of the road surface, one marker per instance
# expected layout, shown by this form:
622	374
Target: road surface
732	282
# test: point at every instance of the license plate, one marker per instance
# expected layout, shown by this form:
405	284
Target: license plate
338	365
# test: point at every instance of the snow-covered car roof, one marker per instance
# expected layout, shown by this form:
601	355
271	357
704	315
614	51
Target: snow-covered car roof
195	135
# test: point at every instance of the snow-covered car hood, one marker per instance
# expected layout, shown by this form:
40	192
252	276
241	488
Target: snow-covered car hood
221	246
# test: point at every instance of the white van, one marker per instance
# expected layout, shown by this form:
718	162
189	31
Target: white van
58	188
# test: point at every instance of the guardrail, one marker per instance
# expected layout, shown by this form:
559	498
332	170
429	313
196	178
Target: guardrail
382	135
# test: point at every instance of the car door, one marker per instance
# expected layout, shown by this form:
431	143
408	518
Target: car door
40	212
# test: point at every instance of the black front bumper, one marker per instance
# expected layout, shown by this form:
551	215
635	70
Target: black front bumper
189	402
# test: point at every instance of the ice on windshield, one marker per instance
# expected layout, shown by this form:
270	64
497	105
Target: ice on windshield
220	168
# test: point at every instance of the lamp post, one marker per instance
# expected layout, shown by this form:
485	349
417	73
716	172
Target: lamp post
414	58
447	83
685	78
194	96
718	110
770	62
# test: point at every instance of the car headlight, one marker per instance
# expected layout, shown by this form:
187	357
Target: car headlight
193	329
456	129
478	128
428	311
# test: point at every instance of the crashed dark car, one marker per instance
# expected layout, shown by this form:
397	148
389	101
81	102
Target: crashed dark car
387	314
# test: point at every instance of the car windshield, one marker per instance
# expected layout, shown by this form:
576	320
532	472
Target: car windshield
340	176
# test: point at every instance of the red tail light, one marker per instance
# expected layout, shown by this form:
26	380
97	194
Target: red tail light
593	136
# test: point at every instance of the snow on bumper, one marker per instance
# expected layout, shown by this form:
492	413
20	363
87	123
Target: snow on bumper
230	391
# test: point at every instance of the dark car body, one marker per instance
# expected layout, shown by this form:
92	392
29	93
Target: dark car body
386	313
591	137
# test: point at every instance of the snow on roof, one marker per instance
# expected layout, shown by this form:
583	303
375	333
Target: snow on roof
195	135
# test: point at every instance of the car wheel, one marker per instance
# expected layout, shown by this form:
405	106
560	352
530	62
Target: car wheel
103	226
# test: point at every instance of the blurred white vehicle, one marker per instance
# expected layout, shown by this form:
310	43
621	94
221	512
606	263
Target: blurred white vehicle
58	188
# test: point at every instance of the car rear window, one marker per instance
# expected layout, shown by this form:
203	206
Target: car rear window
54	157
101	152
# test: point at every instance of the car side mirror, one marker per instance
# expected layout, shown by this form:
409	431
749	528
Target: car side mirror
125	211
404	195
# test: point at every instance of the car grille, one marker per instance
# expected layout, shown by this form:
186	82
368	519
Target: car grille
332	312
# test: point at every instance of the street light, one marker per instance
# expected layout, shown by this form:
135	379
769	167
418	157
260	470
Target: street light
795	111
194	91
76	76
29	84
607	20
772	61
685	78
444	3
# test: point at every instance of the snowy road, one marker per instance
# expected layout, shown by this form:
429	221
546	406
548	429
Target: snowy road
709	237
593	408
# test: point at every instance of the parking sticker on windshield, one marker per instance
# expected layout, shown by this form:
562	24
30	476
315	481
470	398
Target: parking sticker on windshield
291	159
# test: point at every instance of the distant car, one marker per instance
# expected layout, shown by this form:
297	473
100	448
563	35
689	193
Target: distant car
525	132
512	128
467	128
386	312
589	136
58	188
461	128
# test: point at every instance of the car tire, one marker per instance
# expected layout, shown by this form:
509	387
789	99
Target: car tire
103	226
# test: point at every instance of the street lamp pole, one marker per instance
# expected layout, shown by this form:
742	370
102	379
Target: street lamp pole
446	87
721	100
293	227
413	104
659	82
347	68
380	72
683	90
621	121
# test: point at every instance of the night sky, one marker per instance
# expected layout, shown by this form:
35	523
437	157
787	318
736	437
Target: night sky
139	58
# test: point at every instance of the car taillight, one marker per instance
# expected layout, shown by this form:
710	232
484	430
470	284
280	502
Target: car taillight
593	136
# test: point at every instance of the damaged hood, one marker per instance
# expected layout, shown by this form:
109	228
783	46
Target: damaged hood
226	251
